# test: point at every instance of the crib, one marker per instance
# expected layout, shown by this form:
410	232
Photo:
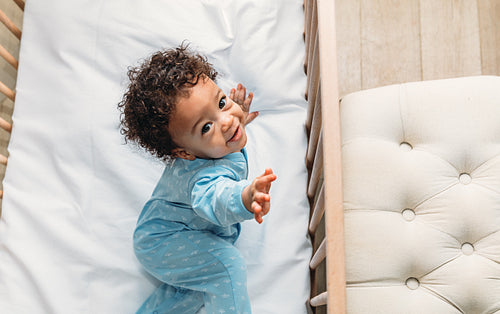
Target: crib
381	171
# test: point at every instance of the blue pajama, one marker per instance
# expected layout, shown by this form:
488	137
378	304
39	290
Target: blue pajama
185	234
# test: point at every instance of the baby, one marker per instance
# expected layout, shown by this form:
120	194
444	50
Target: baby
185	233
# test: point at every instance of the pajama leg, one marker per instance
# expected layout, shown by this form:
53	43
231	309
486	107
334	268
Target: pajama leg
198	261
167	299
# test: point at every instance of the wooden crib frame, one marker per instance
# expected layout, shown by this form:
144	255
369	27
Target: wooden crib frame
323	162
10	59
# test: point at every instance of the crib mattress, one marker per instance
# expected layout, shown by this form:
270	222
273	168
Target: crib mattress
73	190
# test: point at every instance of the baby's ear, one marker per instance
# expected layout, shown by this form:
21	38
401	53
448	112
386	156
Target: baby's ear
182	153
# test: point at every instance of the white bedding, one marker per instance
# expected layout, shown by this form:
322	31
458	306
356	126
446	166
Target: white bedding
73	190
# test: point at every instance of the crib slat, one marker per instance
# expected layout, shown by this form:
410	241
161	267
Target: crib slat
20	4
313	30
314	139
313	88
319	299
313	102
10	25
7	91
319	256
310	7
8	57
5	125
316	172
313	65
318	211
3	160
314	135
311	46
313	92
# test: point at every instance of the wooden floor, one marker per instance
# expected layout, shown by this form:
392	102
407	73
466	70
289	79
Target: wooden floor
382	42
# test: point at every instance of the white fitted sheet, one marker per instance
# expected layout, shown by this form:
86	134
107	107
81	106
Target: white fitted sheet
73	190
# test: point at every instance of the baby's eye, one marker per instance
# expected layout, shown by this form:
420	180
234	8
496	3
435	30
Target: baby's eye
222	102
206	128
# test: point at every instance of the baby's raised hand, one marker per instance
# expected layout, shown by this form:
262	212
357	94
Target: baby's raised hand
238	95
256	196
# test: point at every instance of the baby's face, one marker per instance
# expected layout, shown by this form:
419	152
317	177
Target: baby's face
207	124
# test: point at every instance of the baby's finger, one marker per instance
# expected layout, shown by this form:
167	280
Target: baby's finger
269	171
268	187
251	116
260	218
248	101
256	208
262	182
240	94
231	94
261	197
243	91
265	208
257	212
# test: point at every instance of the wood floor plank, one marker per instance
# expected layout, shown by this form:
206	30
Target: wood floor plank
450	38
348	45
390	42
489	33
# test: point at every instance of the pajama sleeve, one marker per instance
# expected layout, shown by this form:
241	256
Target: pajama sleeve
216	196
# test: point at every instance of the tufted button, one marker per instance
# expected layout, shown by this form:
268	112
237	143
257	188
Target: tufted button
465	178
405	146
412	283
408	214
467	248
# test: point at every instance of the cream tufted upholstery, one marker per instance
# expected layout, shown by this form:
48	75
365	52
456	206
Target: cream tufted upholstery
421	168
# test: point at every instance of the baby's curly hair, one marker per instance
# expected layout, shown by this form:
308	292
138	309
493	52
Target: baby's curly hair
152	94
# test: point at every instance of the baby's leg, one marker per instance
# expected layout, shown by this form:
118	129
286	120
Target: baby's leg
167	299
223	276
200	261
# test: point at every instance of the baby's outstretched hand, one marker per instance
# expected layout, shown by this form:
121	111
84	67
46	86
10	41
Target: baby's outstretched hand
238	95
256	196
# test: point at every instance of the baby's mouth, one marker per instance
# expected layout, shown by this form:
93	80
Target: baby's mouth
236	136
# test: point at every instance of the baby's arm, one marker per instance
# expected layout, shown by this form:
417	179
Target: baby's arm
238	95
256	196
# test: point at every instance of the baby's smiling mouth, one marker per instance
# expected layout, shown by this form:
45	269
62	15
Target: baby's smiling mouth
236	136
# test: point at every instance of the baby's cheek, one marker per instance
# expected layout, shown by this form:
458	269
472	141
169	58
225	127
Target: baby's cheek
218	151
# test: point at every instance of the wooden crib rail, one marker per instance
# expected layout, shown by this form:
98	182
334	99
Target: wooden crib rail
323	157
7	91
10	25
10	59
20	4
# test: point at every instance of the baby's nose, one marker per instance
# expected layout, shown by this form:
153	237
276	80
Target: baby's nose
226	122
